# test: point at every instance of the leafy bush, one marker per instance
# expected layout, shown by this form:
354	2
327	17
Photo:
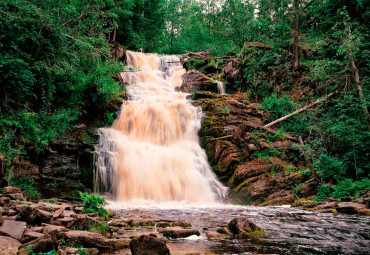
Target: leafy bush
329	167
349	188
94	204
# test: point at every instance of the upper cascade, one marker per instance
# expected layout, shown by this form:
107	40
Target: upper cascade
152	150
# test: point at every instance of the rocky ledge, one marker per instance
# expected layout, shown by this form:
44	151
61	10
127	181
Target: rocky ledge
33	227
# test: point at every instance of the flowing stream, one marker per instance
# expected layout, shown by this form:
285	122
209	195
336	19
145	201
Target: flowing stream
151	164
152	152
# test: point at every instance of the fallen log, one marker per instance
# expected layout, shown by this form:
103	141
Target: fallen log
299	110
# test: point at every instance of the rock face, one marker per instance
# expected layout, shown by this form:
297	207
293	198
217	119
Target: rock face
243	227
148	245
253	161
9	245
195	80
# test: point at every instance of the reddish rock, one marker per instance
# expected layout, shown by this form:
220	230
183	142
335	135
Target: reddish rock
93	240
244	226
9	245
195	80
146	244
10	189
350	207
58	212
13	229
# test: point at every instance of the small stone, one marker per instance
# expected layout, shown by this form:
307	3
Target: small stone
52	229
9	245
214	235
179	233
4	201
146	244
10	189
58	212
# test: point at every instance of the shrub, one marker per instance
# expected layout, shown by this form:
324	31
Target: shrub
329	167
94	204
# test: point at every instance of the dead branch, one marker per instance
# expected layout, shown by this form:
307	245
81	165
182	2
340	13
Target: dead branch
95	49
300	110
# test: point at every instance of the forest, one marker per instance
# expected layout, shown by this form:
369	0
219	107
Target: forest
56	69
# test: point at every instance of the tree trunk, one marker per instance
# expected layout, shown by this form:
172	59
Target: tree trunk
114	34
310	166
296	36
356	73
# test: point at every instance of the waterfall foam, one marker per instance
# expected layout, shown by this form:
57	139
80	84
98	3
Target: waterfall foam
152	150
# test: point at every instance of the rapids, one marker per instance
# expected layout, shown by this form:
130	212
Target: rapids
152	152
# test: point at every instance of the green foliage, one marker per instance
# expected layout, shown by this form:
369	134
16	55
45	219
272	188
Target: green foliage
94	204
101	227
329	167
344	188
51	74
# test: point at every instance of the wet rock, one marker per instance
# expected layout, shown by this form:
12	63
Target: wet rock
9	245
181	224
13	229
91	240
195	80
350	207
10	190
117	223
146	244
214	235
179	233
243	227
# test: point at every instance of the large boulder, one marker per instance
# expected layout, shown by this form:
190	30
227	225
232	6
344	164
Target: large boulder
195	80
243	227
14	229
148	245
233	71
9	245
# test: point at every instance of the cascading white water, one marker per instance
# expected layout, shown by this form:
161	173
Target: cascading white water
152	151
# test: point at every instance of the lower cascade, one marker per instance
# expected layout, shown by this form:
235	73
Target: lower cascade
152	150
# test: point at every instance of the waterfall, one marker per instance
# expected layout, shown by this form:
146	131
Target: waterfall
152	150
